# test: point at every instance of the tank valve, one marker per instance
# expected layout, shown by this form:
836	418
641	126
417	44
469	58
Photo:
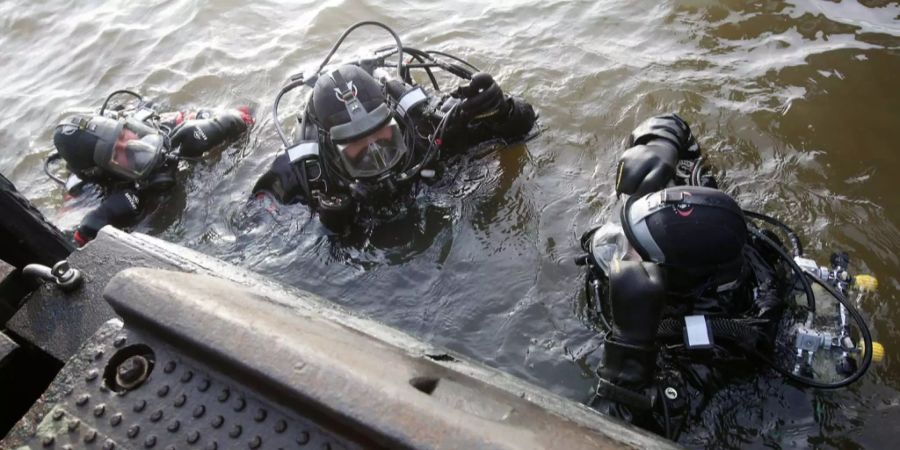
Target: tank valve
866	283
63	274
877	351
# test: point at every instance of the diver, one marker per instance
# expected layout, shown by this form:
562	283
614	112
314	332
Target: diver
369	132
690	289
131	154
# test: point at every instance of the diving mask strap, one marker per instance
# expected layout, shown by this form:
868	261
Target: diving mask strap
346	93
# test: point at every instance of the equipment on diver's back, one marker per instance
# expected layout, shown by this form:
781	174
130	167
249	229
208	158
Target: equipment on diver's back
823	349
696	233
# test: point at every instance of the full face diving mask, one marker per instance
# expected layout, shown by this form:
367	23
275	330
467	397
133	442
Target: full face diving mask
127	148
368	143
375	154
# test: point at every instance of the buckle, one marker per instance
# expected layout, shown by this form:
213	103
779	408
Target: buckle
666	198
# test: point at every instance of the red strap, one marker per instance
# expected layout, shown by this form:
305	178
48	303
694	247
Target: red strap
245	115
79	239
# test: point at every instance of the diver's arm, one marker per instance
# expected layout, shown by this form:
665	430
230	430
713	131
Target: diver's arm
482	111
283	183
209	129
637	297
118	209
472	114
656	149
280	183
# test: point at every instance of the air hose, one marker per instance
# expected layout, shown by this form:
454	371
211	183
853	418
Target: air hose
297	80
115	93
795	240
53	157
807	288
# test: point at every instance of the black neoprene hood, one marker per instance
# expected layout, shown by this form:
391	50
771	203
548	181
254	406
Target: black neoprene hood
76	138
699	231
349	104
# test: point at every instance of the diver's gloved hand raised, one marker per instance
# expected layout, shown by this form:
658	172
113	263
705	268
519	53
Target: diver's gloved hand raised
656	145
482	98
637	297
645	168
670	128
210	129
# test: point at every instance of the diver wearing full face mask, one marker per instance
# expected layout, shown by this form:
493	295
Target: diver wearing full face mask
368	133
689	289
132	153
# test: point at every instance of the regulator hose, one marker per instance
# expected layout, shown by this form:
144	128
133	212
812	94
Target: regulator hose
53	157
864	330
115	93
593	291
795	240
297	80
457	59
284	90
807	289
739	332
347	32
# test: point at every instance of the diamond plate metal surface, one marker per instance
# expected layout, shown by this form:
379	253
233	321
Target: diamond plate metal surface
182	404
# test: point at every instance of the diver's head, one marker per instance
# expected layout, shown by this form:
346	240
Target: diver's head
696	233
96	147
363	141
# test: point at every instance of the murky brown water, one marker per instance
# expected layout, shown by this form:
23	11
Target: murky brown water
799	102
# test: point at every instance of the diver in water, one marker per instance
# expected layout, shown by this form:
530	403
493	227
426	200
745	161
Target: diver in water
132	154
369	132
689	289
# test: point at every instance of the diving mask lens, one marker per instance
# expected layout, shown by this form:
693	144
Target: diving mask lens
375	154
135	153
609	245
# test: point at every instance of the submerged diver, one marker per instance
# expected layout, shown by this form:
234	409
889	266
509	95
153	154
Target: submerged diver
687	289
369	133
132	154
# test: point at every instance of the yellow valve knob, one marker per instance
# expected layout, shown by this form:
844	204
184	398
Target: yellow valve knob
866	283
877	351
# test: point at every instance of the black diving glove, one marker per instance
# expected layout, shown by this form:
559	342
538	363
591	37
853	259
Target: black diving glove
482	99
637	293
637	297
670	128
194	137
486	108
656	145
646	168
